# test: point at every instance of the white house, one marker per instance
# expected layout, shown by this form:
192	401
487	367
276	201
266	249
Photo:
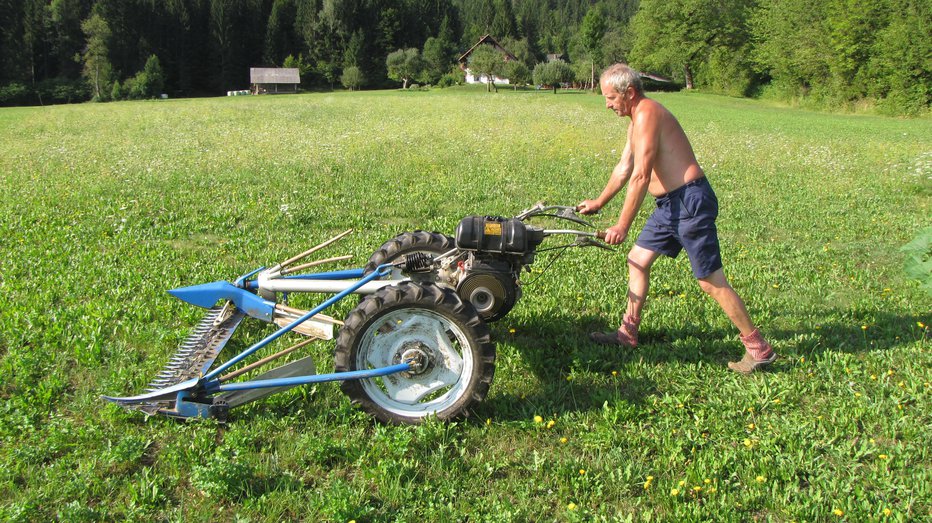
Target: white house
472	78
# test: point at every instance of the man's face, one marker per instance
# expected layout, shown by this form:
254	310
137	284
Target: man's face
620	103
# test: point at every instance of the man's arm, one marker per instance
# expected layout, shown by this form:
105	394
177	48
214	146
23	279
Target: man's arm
646	139
620	175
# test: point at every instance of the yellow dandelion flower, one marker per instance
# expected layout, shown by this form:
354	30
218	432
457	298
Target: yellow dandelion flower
890	372
712	490
582	472
760	479
750	409
563	440
887	512
707	481
571	506
511	331
838	512
751	426
747	443
874	377
650	478
777	401
863	327
697	488
674	492
488	421
883	456
550	424
872	441
921	326
857	394
901	384
802	359
614	373
682	482
538	419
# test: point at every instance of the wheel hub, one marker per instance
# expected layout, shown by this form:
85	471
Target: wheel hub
416	354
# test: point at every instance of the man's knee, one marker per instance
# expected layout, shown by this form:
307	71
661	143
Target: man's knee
715	282
640	259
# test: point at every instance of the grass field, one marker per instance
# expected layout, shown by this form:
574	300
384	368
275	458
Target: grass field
107	206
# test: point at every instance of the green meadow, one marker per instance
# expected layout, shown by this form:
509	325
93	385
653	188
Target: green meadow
106	206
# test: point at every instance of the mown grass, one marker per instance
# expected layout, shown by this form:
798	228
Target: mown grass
107	206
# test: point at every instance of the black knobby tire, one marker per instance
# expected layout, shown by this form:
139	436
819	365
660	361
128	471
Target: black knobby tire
466	333
432	243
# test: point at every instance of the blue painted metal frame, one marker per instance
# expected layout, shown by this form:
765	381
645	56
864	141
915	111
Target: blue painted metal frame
215	386
382	270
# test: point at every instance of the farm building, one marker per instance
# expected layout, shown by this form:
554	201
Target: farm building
472	78
272	80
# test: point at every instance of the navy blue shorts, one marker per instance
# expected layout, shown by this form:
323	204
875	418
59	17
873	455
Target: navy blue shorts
685	218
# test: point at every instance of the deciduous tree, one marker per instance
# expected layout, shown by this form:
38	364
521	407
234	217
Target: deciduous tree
97	68
403	65
489	61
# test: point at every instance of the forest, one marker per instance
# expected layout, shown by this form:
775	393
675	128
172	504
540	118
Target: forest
830	53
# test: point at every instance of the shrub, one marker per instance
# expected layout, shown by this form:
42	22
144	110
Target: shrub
15	94
117	92
63	90
352	78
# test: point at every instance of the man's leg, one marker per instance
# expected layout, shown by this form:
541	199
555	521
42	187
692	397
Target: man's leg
758	353
639	263
717	286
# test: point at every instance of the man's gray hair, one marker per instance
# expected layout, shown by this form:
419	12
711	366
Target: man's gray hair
620	76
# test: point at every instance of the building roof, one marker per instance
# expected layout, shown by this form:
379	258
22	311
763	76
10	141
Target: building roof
274	75
655	77
487	39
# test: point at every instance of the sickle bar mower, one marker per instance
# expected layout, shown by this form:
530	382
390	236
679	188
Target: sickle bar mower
417	344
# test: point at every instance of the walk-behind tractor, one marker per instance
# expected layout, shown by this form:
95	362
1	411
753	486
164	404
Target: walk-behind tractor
417	345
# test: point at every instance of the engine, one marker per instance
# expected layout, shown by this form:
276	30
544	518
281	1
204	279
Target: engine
492	252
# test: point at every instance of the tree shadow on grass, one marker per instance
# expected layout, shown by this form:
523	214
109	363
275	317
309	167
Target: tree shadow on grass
555	347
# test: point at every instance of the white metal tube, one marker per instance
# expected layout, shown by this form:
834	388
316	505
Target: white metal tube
320	286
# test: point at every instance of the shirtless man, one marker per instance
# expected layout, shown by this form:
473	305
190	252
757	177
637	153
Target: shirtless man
659	159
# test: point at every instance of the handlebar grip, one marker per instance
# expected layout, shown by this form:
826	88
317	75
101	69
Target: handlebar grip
600	235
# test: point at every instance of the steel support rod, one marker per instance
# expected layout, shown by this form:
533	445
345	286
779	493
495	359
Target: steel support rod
312	250
315	378
315	264
263	361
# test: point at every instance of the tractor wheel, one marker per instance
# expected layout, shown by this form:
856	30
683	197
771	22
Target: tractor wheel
449	344
432	243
